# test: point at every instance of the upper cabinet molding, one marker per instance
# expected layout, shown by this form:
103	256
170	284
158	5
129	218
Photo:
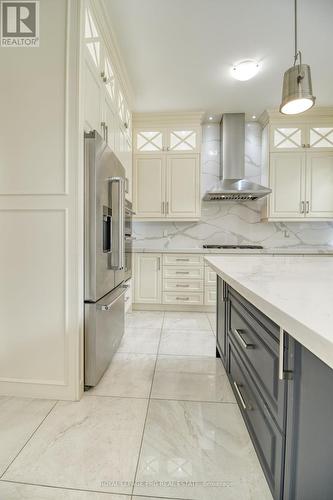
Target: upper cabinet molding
316	113
189	119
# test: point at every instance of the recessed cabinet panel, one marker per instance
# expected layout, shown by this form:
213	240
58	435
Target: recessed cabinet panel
288	185
92	99
182	186
148	279
319	185
149	182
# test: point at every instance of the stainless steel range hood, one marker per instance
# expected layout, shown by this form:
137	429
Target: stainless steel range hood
232	185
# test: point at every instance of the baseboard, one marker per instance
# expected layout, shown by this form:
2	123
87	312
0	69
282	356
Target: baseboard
170	307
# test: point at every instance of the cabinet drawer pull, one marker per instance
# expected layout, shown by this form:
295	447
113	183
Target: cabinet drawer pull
183	260
239	334
241	398
182	272
182	298
182	286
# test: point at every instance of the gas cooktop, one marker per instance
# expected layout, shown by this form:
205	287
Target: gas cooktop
230	247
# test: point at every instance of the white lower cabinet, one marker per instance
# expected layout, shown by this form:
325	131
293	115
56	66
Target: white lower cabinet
210	296
186	298
147	278
174	280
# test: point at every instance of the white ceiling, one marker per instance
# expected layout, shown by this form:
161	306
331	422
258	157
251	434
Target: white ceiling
178	53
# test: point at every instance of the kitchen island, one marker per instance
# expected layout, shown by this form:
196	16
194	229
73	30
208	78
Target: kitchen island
275	338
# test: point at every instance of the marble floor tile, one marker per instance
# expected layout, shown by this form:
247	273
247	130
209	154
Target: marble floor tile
92	444
194	379
144	319
140	340
150	498
129	375
19	418
212	321
188	343
186	321
16	491
199	451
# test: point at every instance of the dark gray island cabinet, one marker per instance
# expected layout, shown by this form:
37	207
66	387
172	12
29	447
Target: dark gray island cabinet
285	394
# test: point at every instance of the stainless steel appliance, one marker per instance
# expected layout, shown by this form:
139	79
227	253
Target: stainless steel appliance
128	239
232	185
104	259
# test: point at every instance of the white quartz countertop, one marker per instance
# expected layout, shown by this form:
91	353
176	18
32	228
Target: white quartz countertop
299	250
296	292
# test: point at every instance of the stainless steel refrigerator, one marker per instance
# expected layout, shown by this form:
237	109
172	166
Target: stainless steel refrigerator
104	256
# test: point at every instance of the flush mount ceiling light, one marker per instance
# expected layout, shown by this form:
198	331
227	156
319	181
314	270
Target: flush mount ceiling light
297	95
245	70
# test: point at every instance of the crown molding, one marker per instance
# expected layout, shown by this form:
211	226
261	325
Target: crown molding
269	115
193	118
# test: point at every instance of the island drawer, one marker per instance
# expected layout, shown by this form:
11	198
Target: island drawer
183	297
260	352
180	272
266	436
182	260
269	325
182	285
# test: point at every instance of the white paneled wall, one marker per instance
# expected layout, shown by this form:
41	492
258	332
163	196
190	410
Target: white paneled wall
40	211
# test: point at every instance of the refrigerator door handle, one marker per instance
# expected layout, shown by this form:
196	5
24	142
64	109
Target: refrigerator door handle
120	238
107	307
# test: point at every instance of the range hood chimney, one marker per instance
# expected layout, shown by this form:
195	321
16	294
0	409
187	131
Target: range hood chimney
232	185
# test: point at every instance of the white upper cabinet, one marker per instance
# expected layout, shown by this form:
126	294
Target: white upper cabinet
177	140
320	137
288	178
105	102
287	138
149	186
92	39
183	186
292	137
181	141
319	185
149	140
166	162
298	166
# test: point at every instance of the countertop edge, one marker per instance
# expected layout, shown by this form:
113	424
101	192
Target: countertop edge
309	338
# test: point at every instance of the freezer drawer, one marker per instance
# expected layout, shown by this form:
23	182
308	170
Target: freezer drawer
103	330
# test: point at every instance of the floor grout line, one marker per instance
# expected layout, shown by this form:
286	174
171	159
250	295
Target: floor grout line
125	495
148	406
29	439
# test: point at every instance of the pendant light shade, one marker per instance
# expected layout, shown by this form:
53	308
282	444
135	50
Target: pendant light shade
297	95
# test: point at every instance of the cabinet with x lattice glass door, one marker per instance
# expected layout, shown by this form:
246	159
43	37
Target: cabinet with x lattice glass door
167	172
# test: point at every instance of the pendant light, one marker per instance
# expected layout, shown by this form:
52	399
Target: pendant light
297	94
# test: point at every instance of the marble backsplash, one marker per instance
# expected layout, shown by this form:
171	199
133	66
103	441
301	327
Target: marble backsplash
230	222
